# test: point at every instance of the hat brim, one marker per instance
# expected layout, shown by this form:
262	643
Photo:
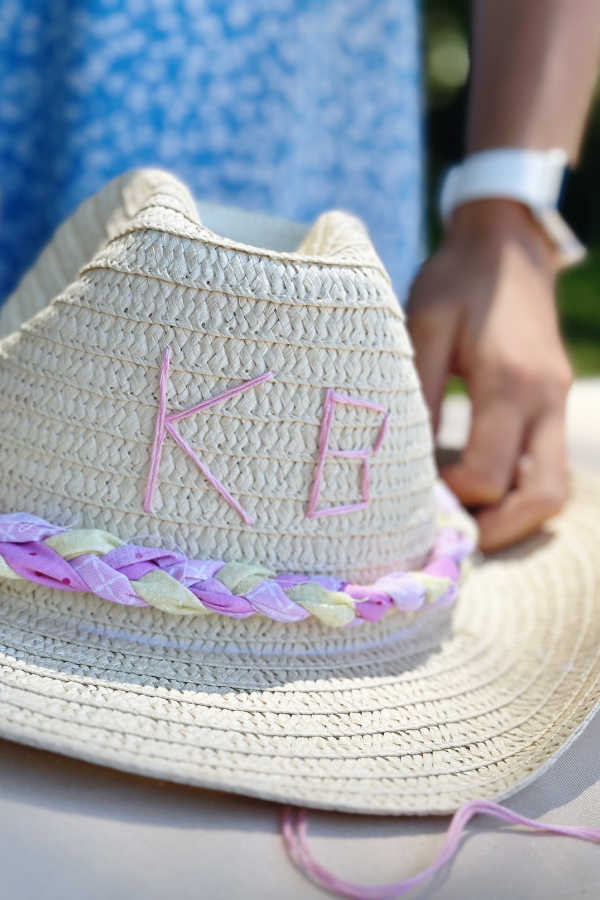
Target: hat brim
396	718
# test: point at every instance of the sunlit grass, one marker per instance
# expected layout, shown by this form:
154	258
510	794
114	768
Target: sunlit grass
585	358
456	385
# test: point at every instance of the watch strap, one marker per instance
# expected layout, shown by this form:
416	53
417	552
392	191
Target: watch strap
531	177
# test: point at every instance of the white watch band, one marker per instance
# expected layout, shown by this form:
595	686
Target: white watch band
531	177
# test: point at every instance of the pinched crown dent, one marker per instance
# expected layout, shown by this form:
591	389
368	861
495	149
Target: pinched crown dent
79	393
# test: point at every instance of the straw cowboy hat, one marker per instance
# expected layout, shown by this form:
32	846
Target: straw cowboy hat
225	559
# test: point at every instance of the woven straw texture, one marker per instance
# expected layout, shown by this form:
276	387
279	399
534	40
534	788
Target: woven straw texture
79	388
379	719
415	714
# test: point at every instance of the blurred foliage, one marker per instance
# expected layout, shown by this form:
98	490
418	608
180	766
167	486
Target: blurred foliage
446	45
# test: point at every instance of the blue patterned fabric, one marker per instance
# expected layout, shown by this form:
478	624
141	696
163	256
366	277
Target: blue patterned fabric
284	106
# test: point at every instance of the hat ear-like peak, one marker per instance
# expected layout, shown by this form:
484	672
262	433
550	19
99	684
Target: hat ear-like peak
238	403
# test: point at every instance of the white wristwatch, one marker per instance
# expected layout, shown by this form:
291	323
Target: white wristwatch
531	177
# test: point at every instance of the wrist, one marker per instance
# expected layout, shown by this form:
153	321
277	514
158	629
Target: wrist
495	223
532	178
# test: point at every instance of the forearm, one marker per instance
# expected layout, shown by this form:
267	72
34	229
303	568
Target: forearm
483	305
534	67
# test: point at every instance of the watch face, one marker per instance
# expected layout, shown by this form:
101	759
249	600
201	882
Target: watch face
574	205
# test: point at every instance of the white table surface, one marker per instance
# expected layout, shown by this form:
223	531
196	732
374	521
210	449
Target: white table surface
73	831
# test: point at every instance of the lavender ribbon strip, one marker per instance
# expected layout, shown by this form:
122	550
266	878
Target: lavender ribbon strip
112	576
19	528
106	582
37	562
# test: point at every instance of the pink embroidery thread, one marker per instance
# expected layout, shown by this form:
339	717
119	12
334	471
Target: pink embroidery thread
159	432
165	422
295	835
331	398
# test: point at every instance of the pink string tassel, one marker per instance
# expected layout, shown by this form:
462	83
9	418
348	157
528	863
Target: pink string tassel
294	829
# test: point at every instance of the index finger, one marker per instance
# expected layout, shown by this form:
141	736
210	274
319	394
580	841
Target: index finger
541	486
487	466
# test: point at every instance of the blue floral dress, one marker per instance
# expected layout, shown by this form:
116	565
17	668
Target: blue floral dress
284	106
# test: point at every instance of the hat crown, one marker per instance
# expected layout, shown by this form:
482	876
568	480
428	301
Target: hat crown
238	403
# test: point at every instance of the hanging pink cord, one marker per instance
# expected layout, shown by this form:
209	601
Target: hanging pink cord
295	835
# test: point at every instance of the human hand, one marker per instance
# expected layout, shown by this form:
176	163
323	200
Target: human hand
483	307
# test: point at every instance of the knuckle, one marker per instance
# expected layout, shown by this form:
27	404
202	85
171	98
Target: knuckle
511	377
487	483
563	378
493	486
551	498
553	389
534	382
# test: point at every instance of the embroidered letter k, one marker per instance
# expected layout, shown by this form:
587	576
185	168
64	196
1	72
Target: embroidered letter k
165	422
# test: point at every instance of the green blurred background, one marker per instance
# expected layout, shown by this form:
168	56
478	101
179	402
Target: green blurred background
446	26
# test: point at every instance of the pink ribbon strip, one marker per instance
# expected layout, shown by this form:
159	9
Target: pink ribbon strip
295	833
22	547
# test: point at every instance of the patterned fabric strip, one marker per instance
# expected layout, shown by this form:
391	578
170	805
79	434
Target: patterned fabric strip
91	560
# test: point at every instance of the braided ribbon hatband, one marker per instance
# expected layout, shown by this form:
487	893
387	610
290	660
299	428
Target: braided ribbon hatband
91	560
